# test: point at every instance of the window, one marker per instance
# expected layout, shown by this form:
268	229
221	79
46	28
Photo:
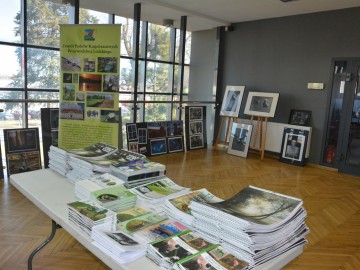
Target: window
30	55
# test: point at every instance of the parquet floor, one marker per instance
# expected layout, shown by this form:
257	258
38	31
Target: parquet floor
331	199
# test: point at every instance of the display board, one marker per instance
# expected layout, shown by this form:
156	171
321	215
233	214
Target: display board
22	150
49	131
89	85
155	138
195	121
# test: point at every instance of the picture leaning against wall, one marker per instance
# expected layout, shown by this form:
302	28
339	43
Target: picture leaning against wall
261	104
232	101
239	139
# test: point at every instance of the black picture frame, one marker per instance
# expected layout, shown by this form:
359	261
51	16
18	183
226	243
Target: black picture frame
300	117
293	146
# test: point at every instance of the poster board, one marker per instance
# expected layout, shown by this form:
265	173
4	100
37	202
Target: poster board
49	131
195	122
89	84
22	150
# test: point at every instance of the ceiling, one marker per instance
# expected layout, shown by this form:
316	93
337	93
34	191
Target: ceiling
207	14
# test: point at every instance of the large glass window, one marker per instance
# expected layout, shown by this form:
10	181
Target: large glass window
29	73
9	20
43	22
11	72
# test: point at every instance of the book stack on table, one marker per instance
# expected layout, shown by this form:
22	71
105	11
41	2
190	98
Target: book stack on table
255	223
84	187
58	160
152	195
178	208
117	198
86	215
188	250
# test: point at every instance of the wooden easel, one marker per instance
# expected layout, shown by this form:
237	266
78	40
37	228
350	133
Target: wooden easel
229	120
261	133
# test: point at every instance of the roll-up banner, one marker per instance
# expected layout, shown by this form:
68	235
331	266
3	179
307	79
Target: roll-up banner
89	85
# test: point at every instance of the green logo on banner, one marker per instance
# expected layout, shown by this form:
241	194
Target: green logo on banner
89	34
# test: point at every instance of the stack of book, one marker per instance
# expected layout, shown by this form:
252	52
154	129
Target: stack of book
136	171
120	246
136	219
84	187
85	215
58	160
188	250
152	195
178	208
148	230
255	223
117	198
89	161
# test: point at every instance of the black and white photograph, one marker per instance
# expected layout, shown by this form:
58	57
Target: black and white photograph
195	127
195	113
131	132
176	144
239	139
261	104
134	147
300	118
142	134
122	239
294	146
232	101
196	141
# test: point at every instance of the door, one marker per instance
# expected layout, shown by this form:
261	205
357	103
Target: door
342	148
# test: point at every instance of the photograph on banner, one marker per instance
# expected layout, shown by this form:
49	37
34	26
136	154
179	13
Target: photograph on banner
89	72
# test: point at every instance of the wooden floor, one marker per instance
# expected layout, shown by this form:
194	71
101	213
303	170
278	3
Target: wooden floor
332	201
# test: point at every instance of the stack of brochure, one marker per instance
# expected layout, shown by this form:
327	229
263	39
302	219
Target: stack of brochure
117	198
120	246
136	219
136	172
58	160
153	194
85	215
178	208
84	188
89	161
255	222
179	250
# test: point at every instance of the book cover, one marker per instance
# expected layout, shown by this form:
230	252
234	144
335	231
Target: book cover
95	150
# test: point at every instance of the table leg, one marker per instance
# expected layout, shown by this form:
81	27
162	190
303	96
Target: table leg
53	230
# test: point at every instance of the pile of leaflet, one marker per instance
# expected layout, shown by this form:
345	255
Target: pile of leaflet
152	195
255	223
120	246
188	250
117	198
83	188
86	214
178	208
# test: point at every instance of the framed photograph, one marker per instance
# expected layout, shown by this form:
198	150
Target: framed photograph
156	129
240	137
196	141
232	101
293	146
261	104
300	118
195	113
175	144
20	140
23	162
196	127
158	147
131	131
